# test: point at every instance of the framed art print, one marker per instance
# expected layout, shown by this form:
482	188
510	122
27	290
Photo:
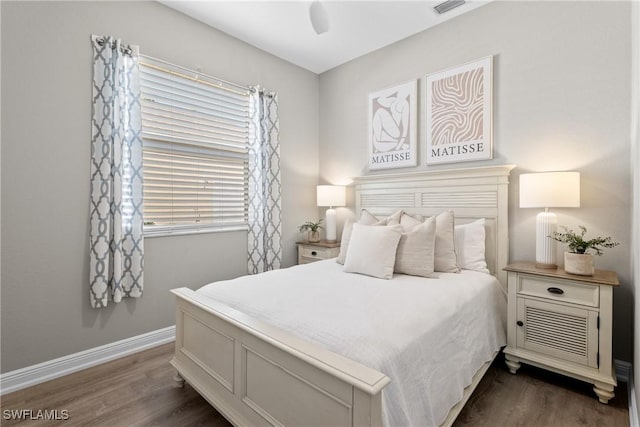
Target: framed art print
393	127
459	113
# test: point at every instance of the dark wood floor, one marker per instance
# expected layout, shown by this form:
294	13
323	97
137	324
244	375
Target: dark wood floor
538	398
139	391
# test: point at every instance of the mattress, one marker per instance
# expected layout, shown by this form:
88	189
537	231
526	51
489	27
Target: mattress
428	335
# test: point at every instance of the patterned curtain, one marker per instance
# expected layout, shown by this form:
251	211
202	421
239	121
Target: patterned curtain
265	227
116	242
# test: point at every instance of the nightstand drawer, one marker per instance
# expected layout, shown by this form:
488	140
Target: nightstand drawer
559	290
311	252
315	252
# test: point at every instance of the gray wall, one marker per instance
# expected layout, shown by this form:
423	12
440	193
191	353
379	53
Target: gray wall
635	165
46	113
561	102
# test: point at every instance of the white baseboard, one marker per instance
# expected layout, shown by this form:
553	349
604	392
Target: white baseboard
36	374
45	371
633	404
624	372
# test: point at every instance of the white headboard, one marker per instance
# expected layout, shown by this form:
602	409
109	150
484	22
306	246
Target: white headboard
472	193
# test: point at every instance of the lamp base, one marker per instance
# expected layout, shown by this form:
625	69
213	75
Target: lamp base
330	225
546	225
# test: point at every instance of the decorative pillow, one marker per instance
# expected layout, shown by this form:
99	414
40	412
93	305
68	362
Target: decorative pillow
416	248
445	254
469	240
408	222
344	242
372	250
366	218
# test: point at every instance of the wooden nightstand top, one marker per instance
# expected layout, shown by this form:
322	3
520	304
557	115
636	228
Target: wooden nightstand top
600	277
322	244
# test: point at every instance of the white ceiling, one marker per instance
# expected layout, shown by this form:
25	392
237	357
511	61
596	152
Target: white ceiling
283	28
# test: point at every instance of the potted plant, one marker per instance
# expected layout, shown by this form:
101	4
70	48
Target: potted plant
312	229
578	260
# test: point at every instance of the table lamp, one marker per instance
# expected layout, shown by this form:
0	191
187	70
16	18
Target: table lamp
331	196
548	190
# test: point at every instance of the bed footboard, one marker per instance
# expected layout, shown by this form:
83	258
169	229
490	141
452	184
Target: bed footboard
255	374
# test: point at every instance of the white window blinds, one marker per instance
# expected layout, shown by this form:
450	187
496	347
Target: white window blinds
195	132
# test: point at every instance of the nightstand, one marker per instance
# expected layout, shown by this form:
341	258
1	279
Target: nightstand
563	323
311	252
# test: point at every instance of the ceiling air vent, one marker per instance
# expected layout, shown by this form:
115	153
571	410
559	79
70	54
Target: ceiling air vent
448	5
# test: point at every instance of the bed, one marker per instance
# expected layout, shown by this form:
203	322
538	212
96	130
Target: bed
259	365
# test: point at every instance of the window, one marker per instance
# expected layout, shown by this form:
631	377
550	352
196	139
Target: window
195	131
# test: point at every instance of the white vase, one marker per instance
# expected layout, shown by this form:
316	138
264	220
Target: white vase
580	264
313	236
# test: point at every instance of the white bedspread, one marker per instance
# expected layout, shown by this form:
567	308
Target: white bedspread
429	336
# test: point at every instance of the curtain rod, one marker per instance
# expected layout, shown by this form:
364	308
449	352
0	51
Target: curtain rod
124	48
262	91
219	86
128	50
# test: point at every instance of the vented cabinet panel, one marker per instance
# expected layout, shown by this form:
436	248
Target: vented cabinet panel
558	330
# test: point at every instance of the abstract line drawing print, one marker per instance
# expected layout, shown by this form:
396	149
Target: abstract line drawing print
459	113
391	121
457	108
392	127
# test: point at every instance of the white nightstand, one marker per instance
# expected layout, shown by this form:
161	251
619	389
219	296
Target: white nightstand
562	322
311	252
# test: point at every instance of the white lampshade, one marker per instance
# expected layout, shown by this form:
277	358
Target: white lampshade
548	190
331	195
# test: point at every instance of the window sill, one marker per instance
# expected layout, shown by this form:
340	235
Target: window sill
165	232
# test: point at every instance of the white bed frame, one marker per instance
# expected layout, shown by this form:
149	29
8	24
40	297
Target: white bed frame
255	374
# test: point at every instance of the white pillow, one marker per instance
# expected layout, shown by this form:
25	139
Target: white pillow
366	218
344	241
408	222
372	250
469	240
445	257
416	249
445	253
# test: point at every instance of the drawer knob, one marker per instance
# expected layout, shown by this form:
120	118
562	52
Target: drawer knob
519	323
556	291
314	253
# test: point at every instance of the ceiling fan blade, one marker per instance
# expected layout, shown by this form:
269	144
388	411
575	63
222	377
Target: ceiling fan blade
319	17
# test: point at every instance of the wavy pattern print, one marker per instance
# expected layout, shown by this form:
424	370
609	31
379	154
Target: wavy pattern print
457	111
